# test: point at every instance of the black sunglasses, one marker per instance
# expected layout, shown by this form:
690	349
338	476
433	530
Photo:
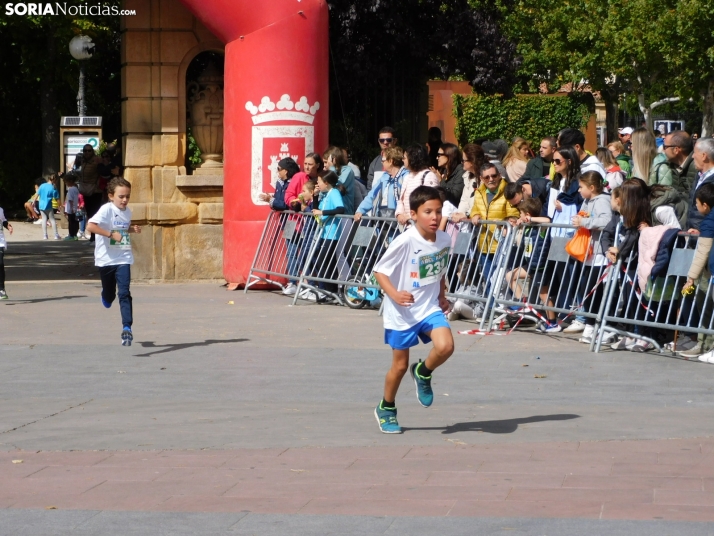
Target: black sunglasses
386	140
490	177
440	154
558	161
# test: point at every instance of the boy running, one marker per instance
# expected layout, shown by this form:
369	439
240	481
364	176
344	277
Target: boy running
411	274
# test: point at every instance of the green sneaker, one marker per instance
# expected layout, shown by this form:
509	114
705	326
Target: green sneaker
387	420
3	295
425	395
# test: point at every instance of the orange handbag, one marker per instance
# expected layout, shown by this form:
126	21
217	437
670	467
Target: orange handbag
579	247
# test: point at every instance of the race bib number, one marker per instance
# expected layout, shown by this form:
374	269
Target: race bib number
431	266
124	243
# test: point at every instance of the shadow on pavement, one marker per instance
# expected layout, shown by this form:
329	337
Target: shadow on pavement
50	261
40	300
182	346
505	426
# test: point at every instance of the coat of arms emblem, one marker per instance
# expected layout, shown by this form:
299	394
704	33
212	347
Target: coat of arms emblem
280	130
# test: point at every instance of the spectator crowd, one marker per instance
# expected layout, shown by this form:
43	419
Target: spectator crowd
629	198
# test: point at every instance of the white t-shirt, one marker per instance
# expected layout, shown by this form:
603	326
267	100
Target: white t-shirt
417	266
3	243
108	252
71	202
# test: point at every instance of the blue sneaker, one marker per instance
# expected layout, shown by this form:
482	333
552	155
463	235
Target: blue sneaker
425	395
106	303
387	420
126	337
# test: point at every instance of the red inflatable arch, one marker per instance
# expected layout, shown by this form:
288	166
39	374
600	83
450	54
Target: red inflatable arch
276	104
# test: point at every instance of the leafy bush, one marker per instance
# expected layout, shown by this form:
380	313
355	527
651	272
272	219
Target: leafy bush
532	117
193	152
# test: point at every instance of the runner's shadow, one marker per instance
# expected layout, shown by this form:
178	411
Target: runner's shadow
175	347
505	426
40	300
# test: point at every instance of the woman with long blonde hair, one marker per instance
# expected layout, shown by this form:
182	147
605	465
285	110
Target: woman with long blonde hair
517	158
647	164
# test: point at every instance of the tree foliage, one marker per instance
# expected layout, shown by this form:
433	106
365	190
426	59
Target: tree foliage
36	62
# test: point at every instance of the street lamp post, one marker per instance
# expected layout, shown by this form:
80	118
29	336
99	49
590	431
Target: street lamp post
81	48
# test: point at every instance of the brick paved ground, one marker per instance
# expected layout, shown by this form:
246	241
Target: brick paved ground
256	418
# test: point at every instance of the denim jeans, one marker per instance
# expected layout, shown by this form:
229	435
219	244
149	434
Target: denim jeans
113	277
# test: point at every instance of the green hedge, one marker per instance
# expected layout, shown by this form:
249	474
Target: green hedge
532	117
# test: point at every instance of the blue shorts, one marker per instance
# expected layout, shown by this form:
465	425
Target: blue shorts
403	340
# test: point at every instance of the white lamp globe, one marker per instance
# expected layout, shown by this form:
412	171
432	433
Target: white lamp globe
81	47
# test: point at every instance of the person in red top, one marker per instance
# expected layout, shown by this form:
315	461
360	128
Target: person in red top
312	166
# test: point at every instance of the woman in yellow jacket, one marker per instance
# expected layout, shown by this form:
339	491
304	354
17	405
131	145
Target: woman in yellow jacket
489	204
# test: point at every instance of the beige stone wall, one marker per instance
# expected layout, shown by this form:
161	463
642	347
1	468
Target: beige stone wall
183	238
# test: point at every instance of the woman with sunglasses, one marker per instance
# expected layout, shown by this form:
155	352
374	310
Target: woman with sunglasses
416	160
473	158
565	199
451	171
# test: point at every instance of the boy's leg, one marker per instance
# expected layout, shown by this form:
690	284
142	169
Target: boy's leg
109	284
123	280
386	410
400	364
73	225
443	348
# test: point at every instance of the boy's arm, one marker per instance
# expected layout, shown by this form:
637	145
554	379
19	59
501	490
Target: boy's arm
400	297
443	302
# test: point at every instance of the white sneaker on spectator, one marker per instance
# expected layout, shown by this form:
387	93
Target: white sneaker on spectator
37	222
683	344
642	346
576	326
708	357
290	289
587	335
453	315
623	343
693	352
307	294
609	337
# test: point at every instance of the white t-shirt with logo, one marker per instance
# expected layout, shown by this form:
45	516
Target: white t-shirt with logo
417	266
107	251
3	243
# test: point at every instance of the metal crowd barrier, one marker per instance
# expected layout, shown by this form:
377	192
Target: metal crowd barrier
283	249
475	266
538	276
503	274
645	309
343	255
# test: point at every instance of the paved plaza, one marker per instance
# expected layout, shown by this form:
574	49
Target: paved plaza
240	414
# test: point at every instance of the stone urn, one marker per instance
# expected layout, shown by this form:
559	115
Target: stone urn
205	107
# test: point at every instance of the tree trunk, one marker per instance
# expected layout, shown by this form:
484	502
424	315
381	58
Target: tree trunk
50	116
610	98
646	110
708	115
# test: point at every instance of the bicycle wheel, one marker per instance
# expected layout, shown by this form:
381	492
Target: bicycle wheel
355	295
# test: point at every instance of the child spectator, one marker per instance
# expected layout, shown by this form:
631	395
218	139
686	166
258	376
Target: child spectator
701	270
532	247
411	274
619	241
81	215
595	213
331	204
30	208
303	203
615	174
46	194
287	167
3	246
71	205
112	251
